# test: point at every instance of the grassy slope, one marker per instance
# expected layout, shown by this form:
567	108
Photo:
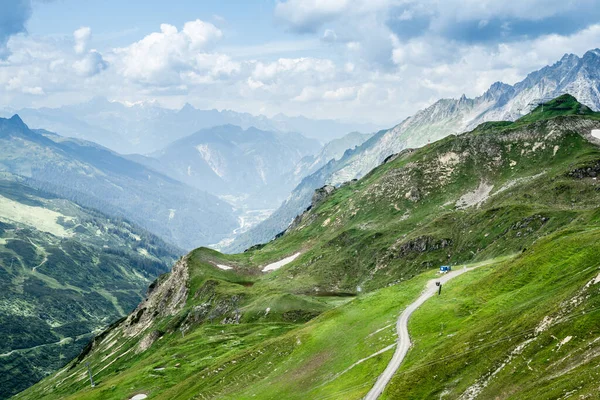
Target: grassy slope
494	320
390	228
57	292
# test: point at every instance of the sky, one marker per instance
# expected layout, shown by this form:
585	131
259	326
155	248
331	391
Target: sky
361	60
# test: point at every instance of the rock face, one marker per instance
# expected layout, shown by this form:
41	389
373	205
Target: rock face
321	194
579	76
164	298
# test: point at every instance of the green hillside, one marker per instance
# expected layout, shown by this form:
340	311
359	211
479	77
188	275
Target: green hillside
65	274
519	200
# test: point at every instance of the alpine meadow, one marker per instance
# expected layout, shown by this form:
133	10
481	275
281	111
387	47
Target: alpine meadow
290	199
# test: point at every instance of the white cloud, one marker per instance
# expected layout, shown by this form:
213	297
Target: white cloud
161	58
353	61
82	37
91	64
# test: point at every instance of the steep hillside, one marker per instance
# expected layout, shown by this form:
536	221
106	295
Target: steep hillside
574	75
311	314
148	127
99	178
228	160
66	272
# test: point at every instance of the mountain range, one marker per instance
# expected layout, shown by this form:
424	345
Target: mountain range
146	127
512	207
97	177
578	76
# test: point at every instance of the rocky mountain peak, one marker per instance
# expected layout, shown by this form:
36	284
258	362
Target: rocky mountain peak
12	125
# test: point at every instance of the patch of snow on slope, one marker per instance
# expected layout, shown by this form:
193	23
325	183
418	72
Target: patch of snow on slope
596	133
278	264
224	267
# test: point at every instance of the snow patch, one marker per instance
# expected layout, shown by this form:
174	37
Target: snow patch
278	264
224	267
171	213
139	397
596	133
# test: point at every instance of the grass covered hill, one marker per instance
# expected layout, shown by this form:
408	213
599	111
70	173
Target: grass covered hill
519	200
66	272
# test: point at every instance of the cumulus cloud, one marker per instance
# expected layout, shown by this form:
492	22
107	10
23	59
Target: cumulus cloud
92	64
161	57
82	36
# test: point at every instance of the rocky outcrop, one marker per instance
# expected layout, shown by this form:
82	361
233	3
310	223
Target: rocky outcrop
588	171
422	244
321	194
165	298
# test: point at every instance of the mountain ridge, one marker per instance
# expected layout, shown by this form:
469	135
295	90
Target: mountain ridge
96	176
572	74
146	128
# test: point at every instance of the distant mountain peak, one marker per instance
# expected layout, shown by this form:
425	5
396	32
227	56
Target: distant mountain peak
17	120
14	122
187	107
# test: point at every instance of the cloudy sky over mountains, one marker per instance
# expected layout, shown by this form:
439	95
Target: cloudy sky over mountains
361	60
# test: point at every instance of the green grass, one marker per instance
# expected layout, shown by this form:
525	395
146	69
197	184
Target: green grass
367	251
485	315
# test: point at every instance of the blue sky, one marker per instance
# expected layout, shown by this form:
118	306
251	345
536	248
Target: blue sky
250	22
362	60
